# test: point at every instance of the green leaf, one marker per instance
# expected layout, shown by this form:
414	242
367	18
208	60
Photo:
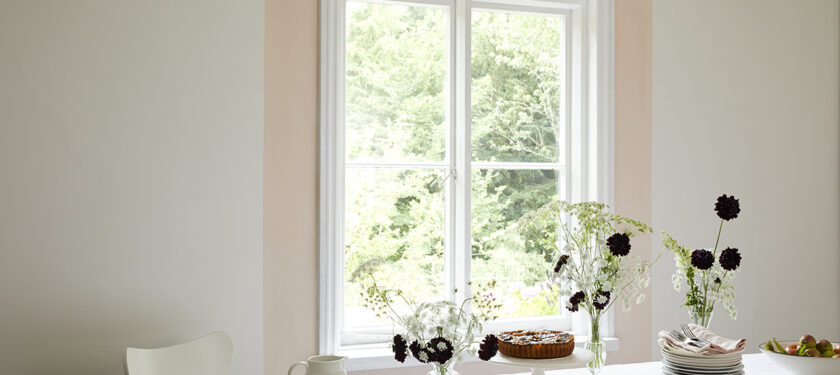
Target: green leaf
778	347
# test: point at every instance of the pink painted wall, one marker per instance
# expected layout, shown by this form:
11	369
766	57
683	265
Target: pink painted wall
290	177
633	106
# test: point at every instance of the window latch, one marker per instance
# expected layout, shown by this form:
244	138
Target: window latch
452	174
437	183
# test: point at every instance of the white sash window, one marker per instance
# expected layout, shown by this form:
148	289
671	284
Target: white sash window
441	123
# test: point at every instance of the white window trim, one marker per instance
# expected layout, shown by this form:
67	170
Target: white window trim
593	99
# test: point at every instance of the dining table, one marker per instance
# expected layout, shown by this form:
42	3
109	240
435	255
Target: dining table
754	364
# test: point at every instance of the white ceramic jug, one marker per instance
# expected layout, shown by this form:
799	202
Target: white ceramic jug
322	365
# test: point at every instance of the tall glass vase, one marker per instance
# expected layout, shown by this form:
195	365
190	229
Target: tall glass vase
596	346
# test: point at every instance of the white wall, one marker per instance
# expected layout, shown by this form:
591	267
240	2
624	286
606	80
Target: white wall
745	102
130	180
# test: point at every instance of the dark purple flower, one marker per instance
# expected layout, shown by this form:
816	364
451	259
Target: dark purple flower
417	350
602	298
619	244
727	207
575	300
561	262
488	347
440	350
702	259
730	259
400	348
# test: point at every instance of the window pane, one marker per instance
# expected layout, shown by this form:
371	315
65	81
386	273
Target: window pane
394	217
395	82
518	262
517	70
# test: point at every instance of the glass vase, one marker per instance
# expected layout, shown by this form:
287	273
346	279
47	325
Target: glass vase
595	345
447	368
701	317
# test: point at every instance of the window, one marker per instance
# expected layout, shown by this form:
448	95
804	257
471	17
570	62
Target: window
442	123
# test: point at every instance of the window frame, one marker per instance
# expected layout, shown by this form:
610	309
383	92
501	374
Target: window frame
590	159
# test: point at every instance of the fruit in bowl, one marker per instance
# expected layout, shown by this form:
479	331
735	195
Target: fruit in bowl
806	356
807	346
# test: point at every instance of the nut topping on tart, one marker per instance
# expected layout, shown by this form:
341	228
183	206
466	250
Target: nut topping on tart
539	344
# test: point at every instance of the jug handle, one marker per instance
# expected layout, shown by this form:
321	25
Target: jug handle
304	364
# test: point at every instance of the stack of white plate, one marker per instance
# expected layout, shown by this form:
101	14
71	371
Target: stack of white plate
680	362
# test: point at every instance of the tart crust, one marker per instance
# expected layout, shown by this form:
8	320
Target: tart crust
542	344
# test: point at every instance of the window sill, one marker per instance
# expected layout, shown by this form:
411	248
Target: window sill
377	357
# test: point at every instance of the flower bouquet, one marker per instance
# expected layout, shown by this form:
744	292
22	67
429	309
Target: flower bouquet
436	333
707	281
594	266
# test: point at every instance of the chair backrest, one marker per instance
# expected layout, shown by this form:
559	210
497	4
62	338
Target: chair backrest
209	355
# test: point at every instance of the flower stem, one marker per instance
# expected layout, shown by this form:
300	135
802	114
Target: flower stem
720	229
706	279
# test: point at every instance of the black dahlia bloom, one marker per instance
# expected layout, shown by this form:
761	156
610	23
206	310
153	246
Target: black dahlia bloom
488	347
619	244
730	259
601	299
417	350
702	259
440	350
718	280
727	207
575	300
561	262
400	348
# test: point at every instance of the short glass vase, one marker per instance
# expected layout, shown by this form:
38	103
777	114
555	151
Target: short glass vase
444	369
701	317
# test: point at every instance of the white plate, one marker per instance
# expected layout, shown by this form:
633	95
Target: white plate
667	371
702	371
702	365
579	358
705	362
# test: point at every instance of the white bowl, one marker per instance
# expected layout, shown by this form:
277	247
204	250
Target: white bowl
803	365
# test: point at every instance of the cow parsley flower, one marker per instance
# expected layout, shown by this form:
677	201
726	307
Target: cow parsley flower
595	246
451	326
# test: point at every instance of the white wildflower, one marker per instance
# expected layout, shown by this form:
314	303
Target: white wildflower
640	299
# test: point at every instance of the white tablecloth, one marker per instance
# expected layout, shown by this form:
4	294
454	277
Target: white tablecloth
754	364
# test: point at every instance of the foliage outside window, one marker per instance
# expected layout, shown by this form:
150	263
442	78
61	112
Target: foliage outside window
398	142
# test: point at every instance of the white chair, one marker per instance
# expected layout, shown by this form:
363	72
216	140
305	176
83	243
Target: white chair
209	355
